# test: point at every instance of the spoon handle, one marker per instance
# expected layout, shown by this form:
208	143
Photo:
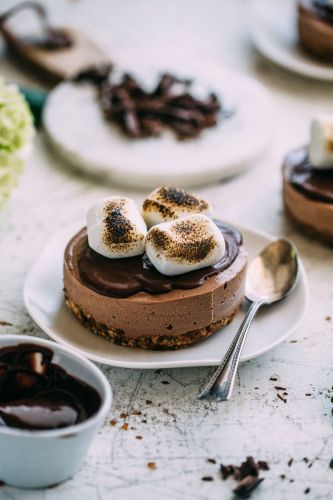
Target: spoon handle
220	386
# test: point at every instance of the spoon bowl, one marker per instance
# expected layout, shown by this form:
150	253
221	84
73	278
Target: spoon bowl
272	274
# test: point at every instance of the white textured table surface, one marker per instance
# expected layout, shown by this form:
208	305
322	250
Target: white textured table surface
178	432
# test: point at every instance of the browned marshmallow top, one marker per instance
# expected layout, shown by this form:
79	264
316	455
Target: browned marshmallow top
117	227
188	241
169	200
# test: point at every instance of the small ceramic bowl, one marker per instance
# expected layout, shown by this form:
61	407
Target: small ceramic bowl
36	459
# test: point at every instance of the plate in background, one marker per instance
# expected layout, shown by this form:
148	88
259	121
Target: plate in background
44	300
79	133
273	28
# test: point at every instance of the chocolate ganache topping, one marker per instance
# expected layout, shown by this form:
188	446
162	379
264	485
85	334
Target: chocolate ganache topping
312	182
37	394
125	277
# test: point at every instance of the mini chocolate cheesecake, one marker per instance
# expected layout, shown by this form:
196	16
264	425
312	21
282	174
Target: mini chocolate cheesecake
308	194
315	28
128	301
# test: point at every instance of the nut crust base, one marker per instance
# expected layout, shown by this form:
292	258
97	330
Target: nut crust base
153	342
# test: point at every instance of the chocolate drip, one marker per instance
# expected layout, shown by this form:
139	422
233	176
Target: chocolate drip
37	394
314	183
125	277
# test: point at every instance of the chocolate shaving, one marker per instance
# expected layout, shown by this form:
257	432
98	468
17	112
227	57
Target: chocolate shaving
94	74
249	467
247	474
263	465
5	323
246	486
140	113
226	471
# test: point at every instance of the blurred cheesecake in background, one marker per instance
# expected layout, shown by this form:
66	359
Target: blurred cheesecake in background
308	181
315	27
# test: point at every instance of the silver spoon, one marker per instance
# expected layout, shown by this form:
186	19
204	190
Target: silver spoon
270	277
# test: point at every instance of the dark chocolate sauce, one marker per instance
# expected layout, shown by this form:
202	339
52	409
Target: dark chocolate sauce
314	183
37	394
125	277
324	10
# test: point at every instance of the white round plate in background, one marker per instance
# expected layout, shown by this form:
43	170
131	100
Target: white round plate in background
273	28
44	300
80	134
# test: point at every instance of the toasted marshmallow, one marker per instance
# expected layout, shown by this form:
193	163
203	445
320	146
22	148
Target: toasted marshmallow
321	142
116	228
170	203
184	245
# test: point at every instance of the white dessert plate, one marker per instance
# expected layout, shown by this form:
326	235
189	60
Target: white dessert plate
44	300
79	133
273	29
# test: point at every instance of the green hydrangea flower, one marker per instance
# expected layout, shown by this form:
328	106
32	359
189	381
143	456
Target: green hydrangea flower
16	134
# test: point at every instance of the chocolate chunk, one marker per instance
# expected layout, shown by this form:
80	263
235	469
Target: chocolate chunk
94	74
207	478
249	467
56	39
226	471
246	486
282	398
263	465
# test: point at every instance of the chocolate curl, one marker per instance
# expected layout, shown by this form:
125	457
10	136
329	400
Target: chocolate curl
140	113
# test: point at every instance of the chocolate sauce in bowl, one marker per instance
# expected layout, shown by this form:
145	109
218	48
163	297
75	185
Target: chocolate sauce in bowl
37	394
125	277
314	183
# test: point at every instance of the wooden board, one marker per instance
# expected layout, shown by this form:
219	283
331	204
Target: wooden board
58	64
